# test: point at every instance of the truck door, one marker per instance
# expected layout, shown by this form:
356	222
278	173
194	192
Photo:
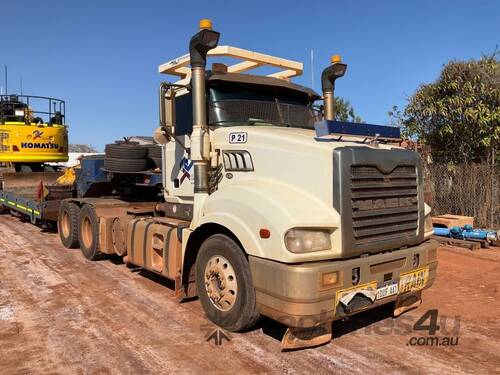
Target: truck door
178	173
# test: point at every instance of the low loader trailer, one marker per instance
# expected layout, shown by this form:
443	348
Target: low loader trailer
39	195
266	206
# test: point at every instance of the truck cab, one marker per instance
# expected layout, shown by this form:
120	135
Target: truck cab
330	223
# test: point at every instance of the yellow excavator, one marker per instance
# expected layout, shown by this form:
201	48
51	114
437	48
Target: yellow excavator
30	137
30	140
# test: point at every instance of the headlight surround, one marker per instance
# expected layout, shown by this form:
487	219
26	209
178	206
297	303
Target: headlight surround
301	240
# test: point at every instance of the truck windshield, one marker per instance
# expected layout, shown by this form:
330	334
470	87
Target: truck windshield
231	108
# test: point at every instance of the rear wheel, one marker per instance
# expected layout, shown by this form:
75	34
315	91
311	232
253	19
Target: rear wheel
88	233
224	284
67	224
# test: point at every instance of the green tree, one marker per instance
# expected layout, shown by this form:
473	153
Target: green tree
344	111
458	116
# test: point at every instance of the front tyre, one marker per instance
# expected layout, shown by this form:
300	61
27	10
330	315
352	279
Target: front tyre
224	284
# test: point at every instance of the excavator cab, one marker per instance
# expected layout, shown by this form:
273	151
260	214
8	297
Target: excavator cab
32	130
12	109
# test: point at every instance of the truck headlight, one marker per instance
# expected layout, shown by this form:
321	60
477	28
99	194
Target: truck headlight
307	240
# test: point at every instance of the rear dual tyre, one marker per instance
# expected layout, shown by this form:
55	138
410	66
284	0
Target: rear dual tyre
67	224
88	233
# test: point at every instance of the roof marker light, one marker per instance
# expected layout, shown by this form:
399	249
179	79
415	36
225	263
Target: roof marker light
205	23
335	59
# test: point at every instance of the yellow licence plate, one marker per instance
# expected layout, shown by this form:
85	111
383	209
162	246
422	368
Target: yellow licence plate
414	280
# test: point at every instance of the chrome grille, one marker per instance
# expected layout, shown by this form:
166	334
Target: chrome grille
384	205
237	161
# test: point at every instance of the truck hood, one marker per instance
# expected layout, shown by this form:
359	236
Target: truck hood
298	180
296	137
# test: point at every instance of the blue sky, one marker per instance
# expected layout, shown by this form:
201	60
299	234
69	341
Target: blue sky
102	56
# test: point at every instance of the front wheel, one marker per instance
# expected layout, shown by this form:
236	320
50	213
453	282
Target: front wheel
225	285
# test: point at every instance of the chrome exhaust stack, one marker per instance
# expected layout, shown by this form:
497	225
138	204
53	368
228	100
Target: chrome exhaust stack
336	70
202	42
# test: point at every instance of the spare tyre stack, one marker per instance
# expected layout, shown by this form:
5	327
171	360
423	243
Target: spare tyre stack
126	157
154	154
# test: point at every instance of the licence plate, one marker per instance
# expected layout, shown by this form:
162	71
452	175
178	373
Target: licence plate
414	280
369	287
387	290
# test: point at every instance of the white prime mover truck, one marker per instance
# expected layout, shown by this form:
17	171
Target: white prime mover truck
268	206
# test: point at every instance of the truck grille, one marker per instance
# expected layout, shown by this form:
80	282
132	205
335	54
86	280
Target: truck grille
384	205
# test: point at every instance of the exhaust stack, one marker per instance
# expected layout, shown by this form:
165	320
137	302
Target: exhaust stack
202	42
336	70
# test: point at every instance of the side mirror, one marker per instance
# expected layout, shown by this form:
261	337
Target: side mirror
167	113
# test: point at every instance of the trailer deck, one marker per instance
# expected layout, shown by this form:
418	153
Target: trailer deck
25	193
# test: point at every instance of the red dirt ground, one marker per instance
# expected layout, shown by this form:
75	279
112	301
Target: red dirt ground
60	314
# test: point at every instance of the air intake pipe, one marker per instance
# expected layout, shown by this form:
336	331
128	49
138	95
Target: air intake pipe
200	44
336	70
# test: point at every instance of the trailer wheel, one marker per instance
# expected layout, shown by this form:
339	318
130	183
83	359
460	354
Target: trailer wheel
67	224
225	285
88	233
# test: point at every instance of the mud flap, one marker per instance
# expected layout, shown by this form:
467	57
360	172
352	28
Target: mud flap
300	338
186	290
407	302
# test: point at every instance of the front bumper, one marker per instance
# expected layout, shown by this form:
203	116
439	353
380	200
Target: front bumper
295	295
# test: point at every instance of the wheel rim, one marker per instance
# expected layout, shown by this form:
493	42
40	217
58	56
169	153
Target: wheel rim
220	283
65	224
87	232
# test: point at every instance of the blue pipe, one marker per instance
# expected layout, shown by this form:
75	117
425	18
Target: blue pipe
467	232
443	232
